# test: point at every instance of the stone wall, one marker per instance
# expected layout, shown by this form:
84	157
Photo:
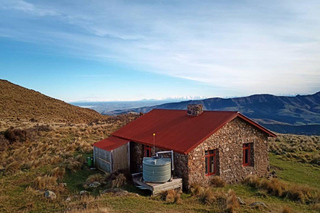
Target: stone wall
229	141
136	157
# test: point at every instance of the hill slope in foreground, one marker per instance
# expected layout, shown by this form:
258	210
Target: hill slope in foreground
20	103
298	115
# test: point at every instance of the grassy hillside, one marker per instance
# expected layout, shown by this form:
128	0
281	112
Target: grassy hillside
19	103
52	157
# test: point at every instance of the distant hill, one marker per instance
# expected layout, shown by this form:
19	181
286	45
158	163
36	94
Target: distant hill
19	102
299	114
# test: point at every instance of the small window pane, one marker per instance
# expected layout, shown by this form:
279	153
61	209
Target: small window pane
206	165
246	156
206	152
211	152
211	164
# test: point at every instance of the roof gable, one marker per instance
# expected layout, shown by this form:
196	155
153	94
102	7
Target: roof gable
174	130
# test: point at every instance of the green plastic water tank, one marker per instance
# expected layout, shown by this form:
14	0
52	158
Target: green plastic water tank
156	169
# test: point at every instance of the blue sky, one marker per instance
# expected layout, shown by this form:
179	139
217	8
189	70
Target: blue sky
131	50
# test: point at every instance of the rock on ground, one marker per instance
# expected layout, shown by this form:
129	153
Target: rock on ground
50	195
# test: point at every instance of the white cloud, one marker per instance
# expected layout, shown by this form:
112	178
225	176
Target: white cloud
267	47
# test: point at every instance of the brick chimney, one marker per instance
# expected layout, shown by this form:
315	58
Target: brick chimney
194	109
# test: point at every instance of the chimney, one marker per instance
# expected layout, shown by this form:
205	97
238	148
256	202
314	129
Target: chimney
194	109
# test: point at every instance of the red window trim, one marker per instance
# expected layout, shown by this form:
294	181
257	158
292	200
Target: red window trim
207	158
246	146
145	149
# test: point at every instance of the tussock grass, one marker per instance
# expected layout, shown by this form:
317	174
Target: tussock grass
294	192
119	181
297	147
196	189
286	209
44	182
171	196
12	168
232	201
217	181
58	172
207	196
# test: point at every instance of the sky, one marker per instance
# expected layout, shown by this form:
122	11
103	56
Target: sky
101	50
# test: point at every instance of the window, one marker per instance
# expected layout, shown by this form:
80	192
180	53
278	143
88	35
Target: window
247	154
210	162
147	151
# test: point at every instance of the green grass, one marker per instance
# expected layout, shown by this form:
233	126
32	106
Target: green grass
295	172
75	180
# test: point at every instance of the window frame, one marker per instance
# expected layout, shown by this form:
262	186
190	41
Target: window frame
247	146
145	149
207	159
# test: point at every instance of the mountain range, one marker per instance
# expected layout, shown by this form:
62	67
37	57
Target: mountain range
284	114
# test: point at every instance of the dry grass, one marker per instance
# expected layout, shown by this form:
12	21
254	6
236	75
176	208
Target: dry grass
119	181
196	190
252	180
96	178
294	192
58	172
232	201
12	168
171	196
44	182
217	181
286	209
207	196
297	147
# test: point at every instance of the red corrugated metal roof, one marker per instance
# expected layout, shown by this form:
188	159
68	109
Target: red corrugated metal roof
177	131
110	143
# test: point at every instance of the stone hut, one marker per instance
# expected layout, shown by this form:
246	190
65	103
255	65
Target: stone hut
205	143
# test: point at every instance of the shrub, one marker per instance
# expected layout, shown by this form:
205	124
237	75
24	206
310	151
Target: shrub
218	181
15	135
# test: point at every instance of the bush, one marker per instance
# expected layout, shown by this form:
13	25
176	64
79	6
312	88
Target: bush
15	135
217	181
